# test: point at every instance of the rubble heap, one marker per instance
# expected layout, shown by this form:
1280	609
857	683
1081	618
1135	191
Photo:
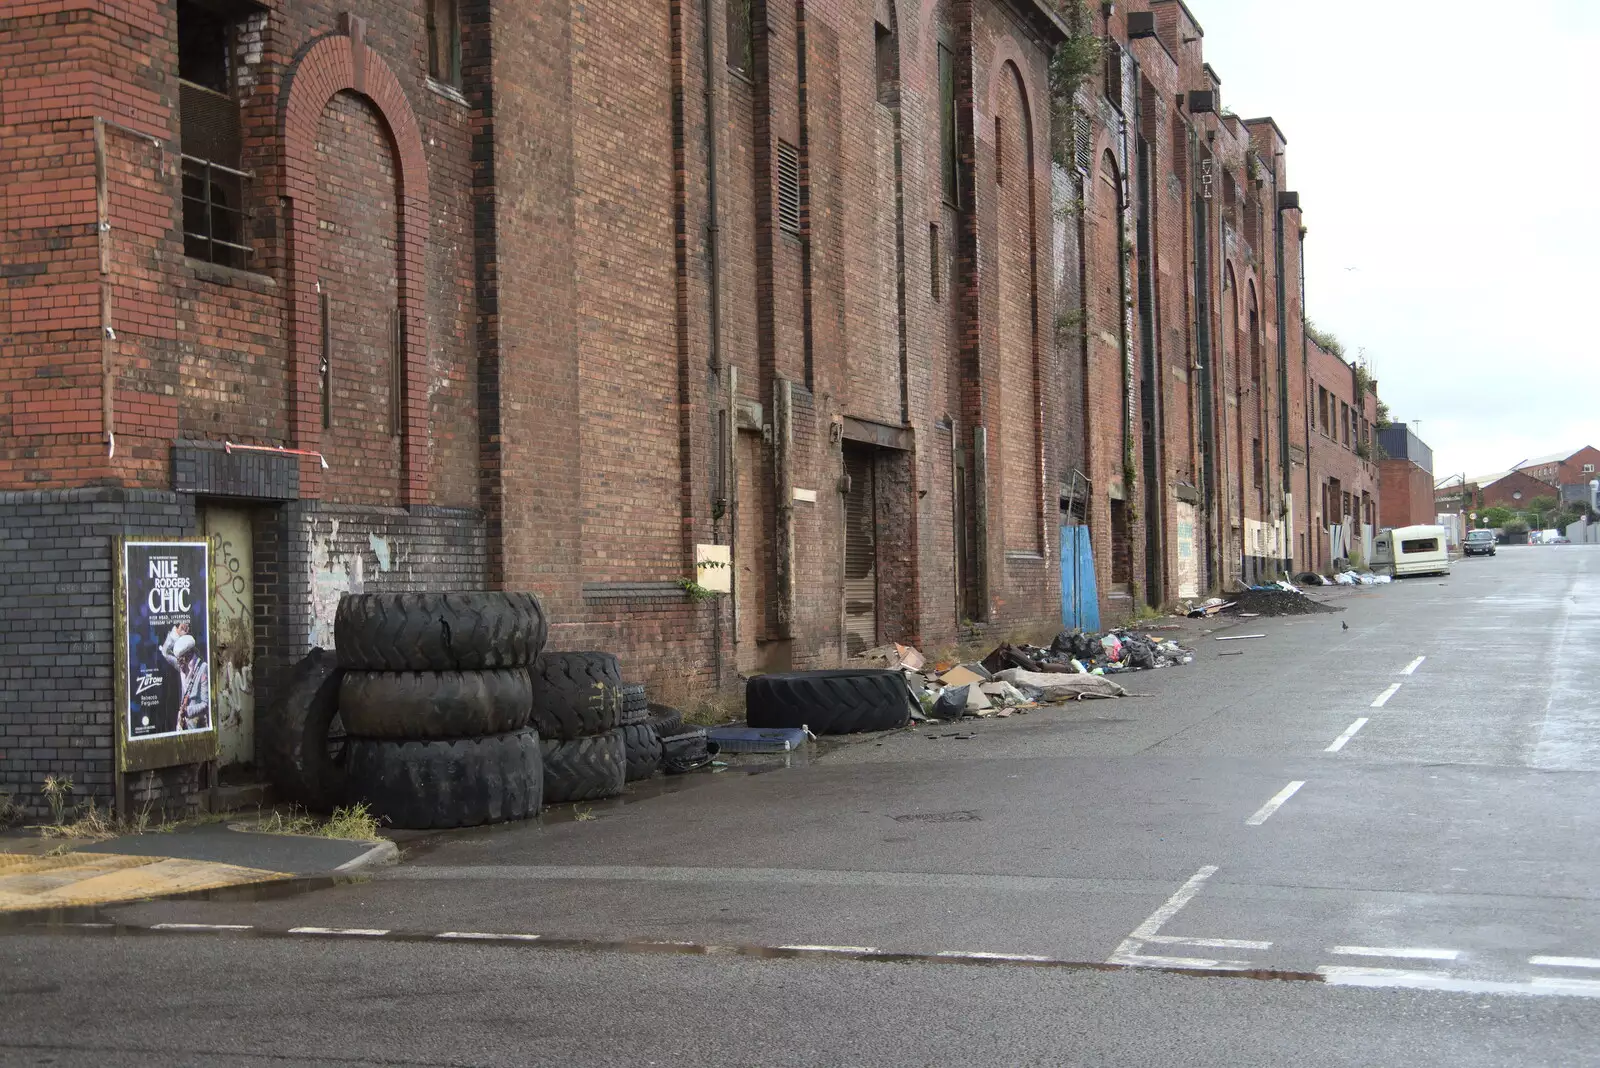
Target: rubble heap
1018	677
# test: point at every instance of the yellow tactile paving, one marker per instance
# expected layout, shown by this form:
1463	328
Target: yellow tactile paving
35	882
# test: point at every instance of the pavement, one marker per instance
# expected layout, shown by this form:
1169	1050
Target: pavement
40	873
1354	846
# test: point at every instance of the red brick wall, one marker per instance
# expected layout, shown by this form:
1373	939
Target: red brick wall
359	223
1572	470
1406	494
1515	490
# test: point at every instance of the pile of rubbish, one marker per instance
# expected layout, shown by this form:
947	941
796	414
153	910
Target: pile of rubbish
1343	578
1015	678
1281	598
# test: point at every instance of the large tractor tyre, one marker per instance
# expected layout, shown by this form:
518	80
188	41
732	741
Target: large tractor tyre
304	751
584	769
829	702
404	705
665	720
463	782
643	750
576	695
438	631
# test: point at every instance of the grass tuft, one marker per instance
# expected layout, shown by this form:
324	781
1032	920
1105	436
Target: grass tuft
347	821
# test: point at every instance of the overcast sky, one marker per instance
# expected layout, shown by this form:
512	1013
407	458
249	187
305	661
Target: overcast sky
1446	157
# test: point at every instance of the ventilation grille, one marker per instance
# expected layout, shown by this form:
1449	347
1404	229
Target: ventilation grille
788	187
1082	138
210	124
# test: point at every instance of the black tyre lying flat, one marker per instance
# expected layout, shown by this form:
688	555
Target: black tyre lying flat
584	769
434	704
829	702
299	756
438	631
665	720
634	700
463	782
576	695
643	750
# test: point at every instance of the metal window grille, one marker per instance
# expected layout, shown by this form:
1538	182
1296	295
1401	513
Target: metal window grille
788	187
1082	140
214	188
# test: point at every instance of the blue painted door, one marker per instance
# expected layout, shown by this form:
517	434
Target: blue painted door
1080	597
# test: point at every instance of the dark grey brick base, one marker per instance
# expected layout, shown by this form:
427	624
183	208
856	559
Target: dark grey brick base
56	630
56	640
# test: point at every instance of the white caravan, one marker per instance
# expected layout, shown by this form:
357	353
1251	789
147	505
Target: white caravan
1419	550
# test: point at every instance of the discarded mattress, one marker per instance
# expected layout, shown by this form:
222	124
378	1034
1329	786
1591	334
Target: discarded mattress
1056	687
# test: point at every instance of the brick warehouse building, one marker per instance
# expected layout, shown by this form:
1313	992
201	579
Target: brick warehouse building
1343	484
555	300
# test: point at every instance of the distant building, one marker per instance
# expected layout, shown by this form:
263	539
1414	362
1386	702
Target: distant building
1405	478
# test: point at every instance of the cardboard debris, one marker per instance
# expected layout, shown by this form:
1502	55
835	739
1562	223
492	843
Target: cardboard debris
894	655
960	675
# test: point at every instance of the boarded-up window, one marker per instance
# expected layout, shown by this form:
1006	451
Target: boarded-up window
444	42
860	553
950	172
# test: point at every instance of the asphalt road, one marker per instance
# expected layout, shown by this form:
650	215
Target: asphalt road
1361	846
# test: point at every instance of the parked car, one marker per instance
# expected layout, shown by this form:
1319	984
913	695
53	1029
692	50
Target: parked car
1478	543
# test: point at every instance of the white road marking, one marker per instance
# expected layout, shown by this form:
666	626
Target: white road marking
1175	903
1023	957
1383	698
1208	943
1565	962
1350	732
1128	952
1337	975
1411	668
365	932
1276	803
1142	960
832	949
200	927
1406	952
1239	637
487	936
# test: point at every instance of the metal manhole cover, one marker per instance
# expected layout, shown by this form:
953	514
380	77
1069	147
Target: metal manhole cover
964	816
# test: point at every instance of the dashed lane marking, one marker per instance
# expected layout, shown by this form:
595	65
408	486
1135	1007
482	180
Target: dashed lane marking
1350	732
341	932
1341	975
1208	943
1399	952
1265	812
1411	668
1383	698
486	936
1565	962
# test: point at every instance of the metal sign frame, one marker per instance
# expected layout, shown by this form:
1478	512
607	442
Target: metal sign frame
167	749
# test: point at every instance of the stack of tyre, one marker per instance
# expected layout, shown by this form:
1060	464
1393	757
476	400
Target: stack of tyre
577	709
435	699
